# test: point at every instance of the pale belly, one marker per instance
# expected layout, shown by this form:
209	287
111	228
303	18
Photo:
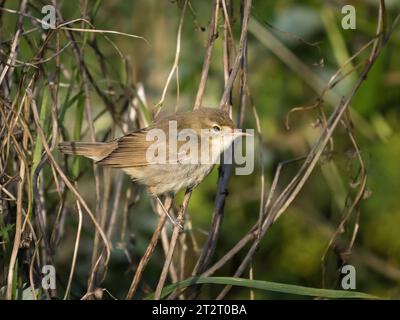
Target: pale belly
169	178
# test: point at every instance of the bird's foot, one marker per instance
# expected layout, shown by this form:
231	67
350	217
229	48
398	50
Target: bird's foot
178	223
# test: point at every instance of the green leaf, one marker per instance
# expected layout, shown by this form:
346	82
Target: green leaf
4	231
14	283
43	119
268	286
68	103
368	99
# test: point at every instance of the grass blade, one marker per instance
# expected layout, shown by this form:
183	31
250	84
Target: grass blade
267	286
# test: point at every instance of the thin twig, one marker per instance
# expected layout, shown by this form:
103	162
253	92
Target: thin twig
149	250
212	35
174	68
174	238
74	257
66	181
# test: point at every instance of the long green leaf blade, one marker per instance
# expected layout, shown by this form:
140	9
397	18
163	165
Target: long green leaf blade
268	286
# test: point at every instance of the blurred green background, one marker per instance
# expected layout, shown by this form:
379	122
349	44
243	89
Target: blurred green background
292	250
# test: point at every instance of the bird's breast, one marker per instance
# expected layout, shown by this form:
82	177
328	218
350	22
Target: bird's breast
170	178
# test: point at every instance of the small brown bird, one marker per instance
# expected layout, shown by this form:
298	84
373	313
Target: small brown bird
188	157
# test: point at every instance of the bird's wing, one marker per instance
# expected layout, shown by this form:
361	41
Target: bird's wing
130	151
141	148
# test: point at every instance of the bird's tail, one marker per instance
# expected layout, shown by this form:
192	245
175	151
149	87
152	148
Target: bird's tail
93	150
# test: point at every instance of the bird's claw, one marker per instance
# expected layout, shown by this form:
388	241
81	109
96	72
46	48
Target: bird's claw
178	223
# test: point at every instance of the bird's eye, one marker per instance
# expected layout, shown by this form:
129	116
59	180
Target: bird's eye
216	128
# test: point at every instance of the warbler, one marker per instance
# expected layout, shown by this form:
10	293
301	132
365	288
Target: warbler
173	152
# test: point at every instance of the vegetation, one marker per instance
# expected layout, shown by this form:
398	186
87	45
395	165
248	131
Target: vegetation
324	103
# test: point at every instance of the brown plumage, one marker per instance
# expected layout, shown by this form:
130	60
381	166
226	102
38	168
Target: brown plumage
129	151
92	150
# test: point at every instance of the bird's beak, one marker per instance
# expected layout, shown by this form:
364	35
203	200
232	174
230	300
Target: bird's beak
241	133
